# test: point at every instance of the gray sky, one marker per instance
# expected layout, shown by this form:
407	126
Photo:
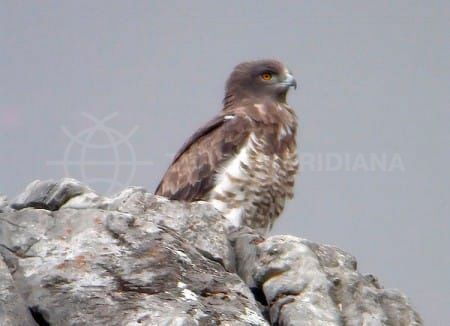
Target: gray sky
373	104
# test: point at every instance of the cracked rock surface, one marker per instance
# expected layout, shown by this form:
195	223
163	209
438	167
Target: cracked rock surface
69	256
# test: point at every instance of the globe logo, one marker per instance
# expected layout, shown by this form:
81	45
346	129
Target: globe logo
100	156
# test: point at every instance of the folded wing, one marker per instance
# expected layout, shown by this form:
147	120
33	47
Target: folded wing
192	173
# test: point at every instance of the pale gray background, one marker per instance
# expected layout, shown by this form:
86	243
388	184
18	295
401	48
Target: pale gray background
373	75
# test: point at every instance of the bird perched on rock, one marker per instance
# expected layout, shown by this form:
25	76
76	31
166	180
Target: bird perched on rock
244	160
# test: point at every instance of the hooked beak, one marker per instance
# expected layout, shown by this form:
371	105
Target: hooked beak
290	81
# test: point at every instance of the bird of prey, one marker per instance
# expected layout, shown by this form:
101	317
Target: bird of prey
244	160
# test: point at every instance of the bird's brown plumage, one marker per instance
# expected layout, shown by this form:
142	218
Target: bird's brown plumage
243	160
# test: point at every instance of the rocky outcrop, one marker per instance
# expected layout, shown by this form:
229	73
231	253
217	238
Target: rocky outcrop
72	257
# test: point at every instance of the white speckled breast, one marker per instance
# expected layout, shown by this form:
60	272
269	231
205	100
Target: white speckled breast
252	187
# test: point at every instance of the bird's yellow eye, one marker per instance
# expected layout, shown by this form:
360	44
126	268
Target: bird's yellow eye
266	76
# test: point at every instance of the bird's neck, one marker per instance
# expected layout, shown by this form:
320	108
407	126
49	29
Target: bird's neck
229	100
233	99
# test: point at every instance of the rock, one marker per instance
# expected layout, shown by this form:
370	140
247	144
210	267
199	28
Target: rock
13	309
4	207
136	260
74	257
311	284
49	195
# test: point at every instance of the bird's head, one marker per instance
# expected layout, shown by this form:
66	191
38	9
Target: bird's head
261	78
